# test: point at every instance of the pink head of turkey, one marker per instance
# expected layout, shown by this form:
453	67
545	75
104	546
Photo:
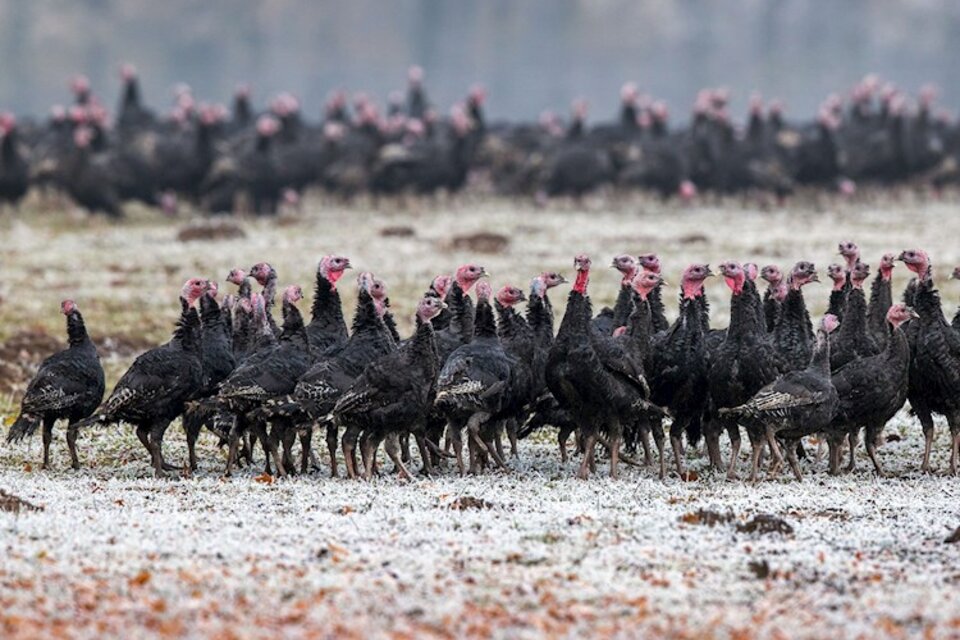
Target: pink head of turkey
468	275
236	276
751	270
626	265
734	275
7	123
441	285
804	272
262	272
293	294
850	252
629	93
829	323
213	289
691	281
687	191
429	307
128	72
838	275
267	126
917	261
645	282
552	279
80	85
332	267
859	274
193	289
887	263
772	274
582	264
955	274
484	291
899	314
415	76
68	307
477	95
509	296
82	136
649	262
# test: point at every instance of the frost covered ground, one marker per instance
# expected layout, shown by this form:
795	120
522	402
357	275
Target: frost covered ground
532	553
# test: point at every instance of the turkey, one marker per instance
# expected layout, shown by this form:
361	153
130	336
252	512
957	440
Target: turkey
677	363
339	366
872	390
955	323
609	319
854	339
459	331
838	291
593	376
528	364
474	387
745	363
270	373
774	296
636	338
219	361
793	336
935	363
155	388
14	170
881	299
327	327
540	309
797	404
68	386
393	394
651	262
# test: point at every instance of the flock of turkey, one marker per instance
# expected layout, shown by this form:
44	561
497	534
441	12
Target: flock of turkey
479	370
221	161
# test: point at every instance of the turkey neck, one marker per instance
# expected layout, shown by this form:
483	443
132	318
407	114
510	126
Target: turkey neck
658	312
640	323
540	318
795	311
366	316
77	330
624	305
837	302
881	299
743	316
898	348
131	94
187	334
576	318
821	356
327	311
511	323
927	302
854	314
9	147
462	316
423	345
210	312
484	325
293	329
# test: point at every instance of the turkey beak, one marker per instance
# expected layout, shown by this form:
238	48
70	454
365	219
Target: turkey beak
914	314
710	272
902	256
484	273
522	298
664	282
814	277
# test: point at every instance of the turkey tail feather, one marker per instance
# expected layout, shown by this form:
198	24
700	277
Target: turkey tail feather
24	427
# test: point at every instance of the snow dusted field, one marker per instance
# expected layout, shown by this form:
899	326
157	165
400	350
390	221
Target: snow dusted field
115	553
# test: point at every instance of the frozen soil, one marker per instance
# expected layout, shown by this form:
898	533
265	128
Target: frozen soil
113	552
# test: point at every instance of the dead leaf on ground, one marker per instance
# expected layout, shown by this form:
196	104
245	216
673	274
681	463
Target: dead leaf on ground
264	478
954	537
